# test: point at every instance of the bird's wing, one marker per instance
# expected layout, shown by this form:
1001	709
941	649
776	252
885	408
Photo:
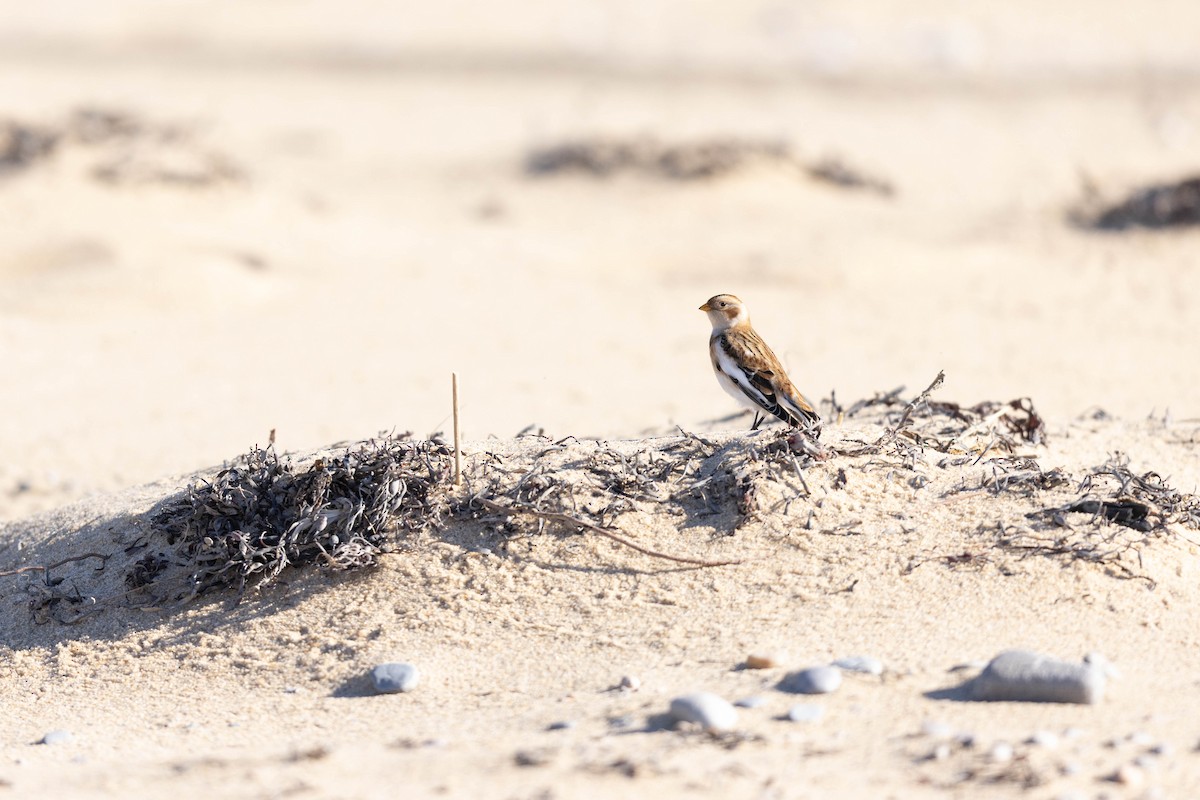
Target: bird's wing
797	404
762	378
742	355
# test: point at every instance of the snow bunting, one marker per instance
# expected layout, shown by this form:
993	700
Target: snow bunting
748	370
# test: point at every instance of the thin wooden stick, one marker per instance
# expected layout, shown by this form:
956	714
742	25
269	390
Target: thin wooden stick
47	567
579	523
916	401
457	450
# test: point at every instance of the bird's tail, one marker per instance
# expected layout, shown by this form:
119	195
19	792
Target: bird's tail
805	416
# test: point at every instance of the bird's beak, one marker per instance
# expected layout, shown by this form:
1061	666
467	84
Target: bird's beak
705	307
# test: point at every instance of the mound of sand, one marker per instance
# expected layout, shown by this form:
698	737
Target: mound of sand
928	537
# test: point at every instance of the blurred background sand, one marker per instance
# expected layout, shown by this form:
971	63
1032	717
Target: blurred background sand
359	223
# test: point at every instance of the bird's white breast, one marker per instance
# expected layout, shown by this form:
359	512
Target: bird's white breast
724	366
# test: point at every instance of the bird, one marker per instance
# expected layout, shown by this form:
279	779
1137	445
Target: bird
748	369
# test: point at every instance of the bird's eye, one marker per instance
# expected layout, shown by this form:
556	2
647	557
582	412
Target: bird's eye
722	304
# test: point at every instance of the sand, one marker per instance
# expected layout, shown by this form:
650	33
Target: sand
314	215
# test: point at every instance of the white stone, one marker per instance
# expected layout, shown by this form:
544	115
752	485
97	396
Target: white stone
710	711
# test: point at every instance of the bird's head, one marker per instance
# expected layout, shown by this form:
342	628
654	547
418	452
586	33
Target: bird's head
725	311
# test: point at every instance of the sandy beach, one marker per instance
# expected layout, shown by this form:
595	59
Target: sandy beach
226	224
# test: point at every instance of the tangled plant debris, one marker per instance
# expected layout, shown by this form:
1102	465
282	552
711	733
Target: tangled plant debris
262	514
1163	205
122	148
691	161
1113	492
22	145
603	158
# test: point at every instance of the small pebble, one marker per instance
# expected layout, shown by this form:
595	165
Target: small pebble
630	682
561	725
763	660
865	664
1019	675
1141	739
805	712
757	701
1046	739
1164	749
624	721
941	752
56	737
391	678
814	680
1001	753
711	712
937	729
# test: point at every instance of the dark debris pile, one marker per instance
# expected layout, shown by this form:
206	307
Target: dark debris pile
602	158
263	514
1113	492
123	148
1166	205
22	145
690	161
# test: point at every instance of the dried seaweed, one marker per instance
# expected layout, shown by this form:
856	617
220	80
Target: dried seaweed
1119	513
123	148
21	145
1027	480
836	172
1165	205
688	475
690	161
1123	512
950	428
247	524
93	126
603	158
893	432
1110	548
263	514
52	597
643	477
1114	493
